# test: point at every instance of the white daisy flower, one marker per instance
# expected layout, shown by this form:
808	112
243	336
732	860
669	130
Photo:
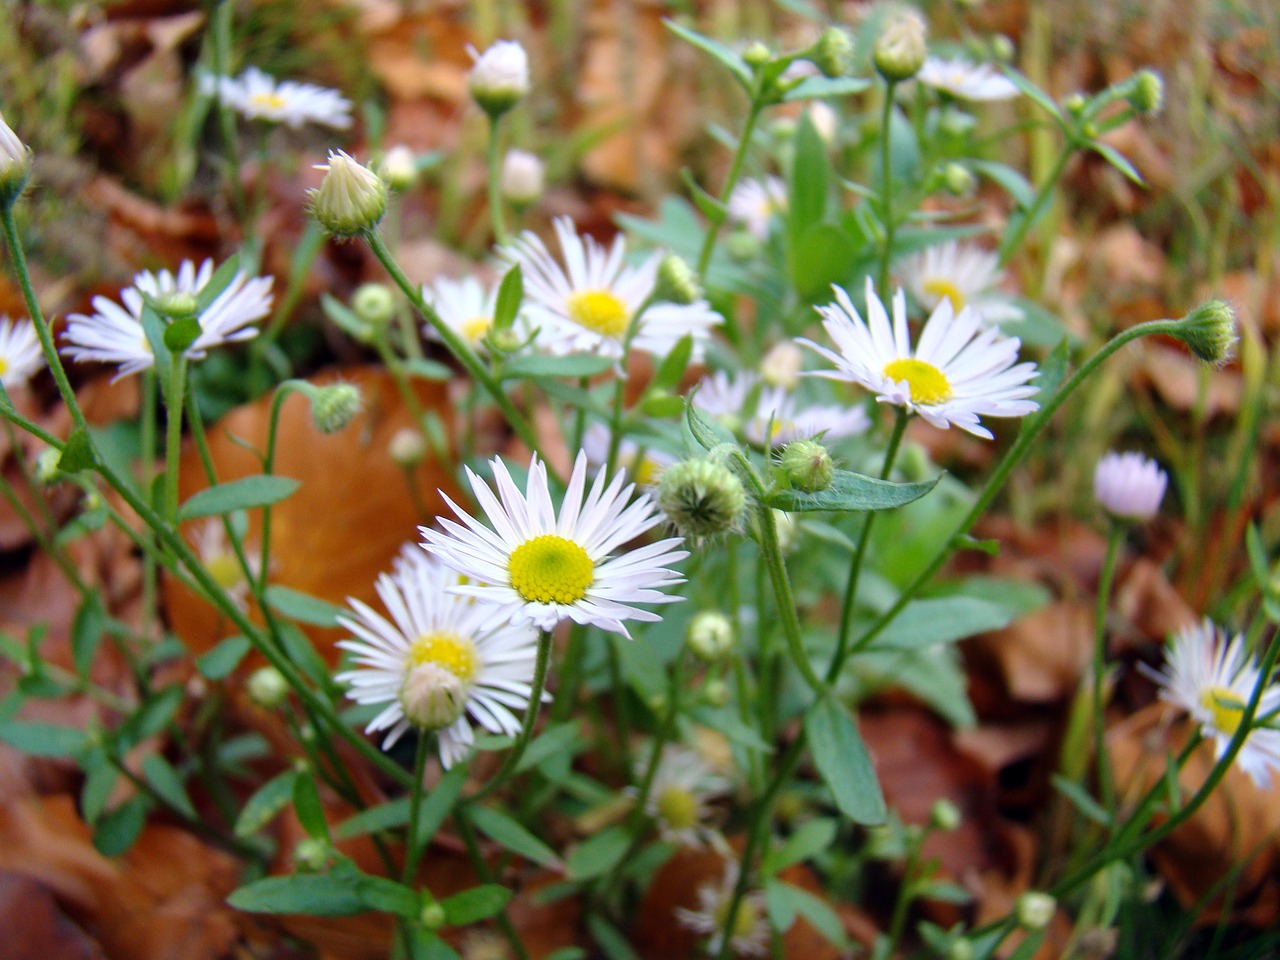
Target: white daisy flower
645	464
963	273
723	395
682	787
467	307
780	415
1129	486
588	307
209	539
1213	679
965	80
114	334
546	568
256	95
754	203
955	373
439	660
20	355
750	934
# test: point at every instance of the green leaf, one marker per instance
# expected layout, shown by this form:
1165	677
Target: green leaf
824	255
385	816
784	901
152	717
673	365
505	831
851	491
780	905
942	892
610	939
425	369
810	840
1032	92
1081	800
926	623
599	854
218	663
77	454
706	432
37	739
556	739
662	406
439	801
1008	179
735	64
811	88
478	903
510	296
1030	946
842	760
1118	160
303	607
219	282
86	633
1258	560
341	892
255	491
1050	376
711	208
807	189
167	783
115	832
533	366
306	803
301	650
272	797
99	780
181	334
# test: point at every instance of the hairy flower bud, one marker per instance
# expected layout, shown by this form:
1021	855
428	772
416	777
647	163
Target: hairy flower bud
15	164
807	465
500	77
522	177
399	168
433	696
334	406
1210	331
1146	92
677	283
267	687
702	498
1034	910
957	178
833	53
350	199
374	303
900	49
710	636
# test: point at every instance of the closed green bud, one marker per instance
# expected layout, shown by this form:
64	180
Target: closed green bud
715	692
807	465
900	49
1146	92
960	949
756	55
46	466
710	636
433	916
313	854
1075	104
702	498
944	815
407	447
374	303
333	407
958	179
1002	48
677	283
351	198
267	687
743	245
176	305
1210	331
1034	910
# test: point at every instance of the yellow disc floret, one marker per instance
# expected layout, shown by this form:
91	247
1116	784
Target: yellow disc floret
4	366
678	808
475	329
940	287
446	649
1227	709
599	311
550	569
268	101
225	570
927	383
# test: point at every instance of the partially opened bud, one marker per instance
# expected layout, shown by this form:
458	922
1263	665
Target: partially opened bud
15	164
900	49
351	198
433	696
522	177
500	77
677	283
782	364
1034	910
267	687
407	447
710	636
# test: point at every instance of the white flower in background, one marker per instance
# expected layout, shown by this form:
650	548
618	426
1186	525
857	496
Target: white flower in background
781	416
440	662
644	464
963	273
781	366
1213	680
588	305
683	785
825	120
754	203
750	934
522	176
114	333
399	167
1129	486
219	558
467	307
499	79
544	567
256	95
724	396
20	355
965	80
956	372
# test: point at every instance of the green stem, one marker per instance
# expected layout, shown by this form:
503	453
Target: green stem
1105	786
468	835
173	435
1018	230
411	851
903	902
495	182
735	171
855	569
886	188
222	23
150	572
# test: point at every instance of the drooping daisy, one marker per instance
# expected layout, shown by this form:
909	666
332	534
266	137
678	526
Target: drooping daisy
643	463
683	785
588	305
114	334
955	373
750	934
256	95
963	273
20	355
1129	486
754	203
439	660
546	568
1213	680
468	307
782	416
965	80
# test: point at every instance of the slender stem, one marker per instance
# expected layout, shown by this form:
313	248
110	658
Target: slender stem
411	851
903	902
619	383
1105	786
1018	230
855	568
150	573
570	672
886	188
222	24
735	171
173	435
495	182
468	835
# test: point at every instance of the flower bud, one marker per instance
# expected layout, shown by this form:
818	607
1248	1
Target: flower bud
522	177
433	696
312	854
1034	910
267	687
833	53
1075	104
500	77
715	692
958	179
506	340
334	406
900	49
756	55
677	283
944	815
710	636
433	916
961	949
176	305
702	498
15	165
399	168
1129	486
1210	331
46	466
350	199
1146	92
1002	48
374	303
807	465
781	365
743	245
407	447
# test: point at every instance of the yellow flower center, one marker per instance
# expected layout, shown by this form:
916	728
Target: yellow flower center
550	569
744	925
1227	709
940	287
446	649
268	101
927	383
4	366
475	329
677	807
599	310
225	570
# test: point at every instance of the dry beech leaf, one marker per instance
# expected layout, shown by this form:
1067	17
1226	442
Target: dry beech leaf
1176	377
35	927
1042	655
